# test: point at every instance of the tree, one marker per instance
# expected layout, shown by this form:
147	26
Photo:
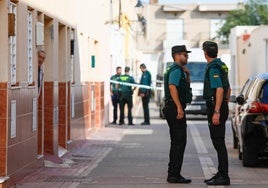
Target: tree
254	12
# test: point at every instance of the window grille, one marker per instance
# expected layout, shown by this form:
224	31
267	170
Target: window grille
30	47
13	46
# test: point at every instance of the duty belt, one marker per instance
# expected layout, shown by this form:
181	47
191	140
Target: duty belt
171	101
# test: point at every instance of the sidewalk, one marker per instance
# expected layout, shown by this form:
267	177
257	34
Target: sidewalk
82	157
74	167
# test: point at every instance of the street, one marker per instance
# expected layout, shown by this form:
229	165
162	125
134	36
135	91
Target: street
137	156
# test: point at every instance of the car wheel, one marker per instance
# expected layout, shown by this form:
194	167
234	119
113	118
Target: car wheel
249	159
239	152
235	140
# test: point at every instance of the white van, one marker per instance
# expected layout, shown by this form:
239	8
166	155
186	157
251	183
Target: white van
197	66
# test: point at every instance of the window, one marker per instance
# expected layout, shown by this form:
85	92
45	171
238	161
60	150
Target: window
13	46
72	49
174	29
30	47
197	71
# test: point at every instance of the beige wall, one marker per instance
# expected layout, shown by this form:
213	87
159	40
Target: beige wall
91	36
4	42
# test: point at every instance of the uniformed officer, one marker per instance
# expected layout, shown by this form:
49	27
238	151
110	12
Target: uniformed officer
126	97
145	94
41	58
115	92
177	95
217	93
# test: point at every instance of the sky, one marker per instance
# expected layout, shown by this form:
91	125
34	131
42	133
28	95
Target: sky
195	1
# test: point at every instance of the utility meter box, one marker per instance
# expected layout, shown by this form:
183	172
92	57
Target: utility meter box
39	33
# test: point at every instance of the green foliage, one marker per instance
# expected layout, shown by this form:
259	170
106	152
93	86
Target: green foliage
254	12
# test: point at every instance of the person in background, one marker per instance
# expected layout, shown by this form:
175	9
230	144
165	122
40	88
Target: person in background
115	93
217	93
126	97
177	95
145	94
41	58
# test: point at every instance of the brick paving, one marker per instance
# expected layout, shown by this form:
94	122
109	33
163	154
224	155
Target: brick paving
74	167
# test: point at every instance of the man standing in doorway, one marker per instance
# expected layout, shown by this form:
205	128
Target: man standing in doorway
126	97
115	92
145	94
41	58
217	93
177	95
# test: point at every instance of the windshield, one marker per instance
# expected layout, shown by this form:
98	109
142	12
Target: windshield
197	71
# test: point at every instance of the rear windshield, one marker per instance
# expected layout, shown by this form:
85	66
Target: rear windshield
197	71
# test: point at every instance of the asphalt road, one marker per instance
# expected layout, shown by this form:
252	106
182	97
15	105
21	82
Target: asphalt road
140	157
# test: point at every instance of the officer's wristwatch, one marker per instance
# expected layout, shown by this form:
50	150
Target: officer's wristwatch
216	111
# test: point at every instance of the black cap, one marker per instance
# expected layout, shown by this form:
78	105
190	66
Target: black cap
179	49
127	69
210	46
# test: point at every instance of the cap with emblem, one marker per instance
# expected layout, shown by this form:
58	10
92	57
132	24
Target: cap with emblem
179	49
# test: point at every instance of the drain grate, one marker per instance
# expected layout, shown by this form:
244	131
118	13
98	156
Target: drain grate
79	179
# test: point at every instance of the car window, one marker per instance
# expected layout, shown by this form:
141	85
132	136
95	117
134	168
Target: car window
197	71
264	93
245	90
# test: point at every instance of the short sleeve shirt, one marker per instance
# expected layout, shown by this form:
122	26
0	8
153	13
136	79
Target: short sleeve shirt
174	77
115	87
215	78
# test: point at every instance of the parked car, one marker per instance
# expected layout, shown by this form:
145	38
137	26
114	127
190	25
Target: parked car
250	121
235	116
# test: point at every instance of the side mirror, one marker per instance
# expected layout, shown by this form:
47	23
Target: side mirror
232	99
240	99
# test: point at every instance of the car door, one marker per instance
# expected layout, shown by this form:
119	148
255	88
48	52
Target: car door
244	92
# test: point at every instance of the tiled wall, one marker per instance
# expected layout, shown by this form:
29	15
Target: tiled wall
21	149
88	116
51	117
64	113
3	128
86	119
81	120
99	94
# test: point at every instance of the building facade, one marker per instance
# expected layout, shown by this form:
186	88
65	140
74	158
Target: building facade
78	39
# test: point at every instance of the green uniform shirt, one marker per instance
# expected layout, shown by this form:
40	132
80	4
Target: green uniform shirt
216	77
146	79
115	87
127	79
175	76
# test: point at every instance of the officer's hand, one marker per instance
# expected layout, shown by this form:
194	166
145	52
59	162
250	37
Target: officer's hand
216	119
186	70
142	95
112	94
180	114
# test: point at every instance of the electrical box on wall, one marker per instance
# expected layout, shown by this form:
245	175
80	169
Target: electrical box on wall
39	33
92	61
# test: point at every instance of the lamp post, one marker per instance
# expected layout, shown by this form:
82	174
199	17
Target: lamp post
120	12
139	11
139	8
